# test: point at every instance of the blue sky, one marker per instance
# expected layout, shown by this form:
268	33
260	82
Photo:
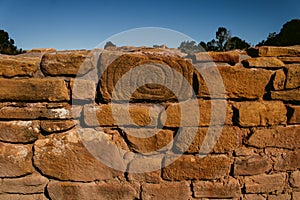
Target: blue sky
84	24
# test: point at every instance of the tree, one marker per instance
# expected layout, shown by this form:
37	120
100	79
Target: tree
109	44
189	47
7	44
222	36
288	35
236	43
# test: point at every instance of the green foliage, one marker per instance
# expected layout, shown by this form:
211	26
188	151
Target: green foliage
7	44
289	35
222	42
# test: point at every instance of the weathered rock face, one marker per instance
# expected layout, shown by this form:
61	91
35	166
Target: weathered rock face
263	62
33	90
194	167
150	123
69	63
238	82
161	72
66	153
15	160
225	189
19	131
166	191
11	66
271	51
261	113
70	190
281	137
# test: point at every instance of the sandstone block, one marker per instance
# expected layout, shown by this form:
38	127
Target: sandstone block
280	137
211	112
226	189
288	161
231	57
295	179
55	126
146	77
253	197
279	80
272	51
67	63
23	197
293	76
295	116
194	167
19	131
286	95
261	113
174	190
72	190
238	82
33	90
149	140
289	60
66	153
83	89
279	197
15	160
121	114
31	184
36	111
147	170
227	140
265	183
296	196
263	62
252	165
11	66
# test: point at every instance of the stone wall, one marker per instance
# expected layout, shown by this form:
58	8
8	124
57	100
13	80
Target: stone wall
55	105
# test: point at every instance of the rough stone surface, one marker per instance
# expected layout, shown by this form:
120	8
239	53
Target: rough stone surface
33	90
19	131
296	196
36	111
261	113
66	153
148	170
15	160
183	114
31	184
295	116
251	165
194	167
226	189
295	179
227	140
239	82
231	57
265	183
160	70
23	197
11	66
288	161
175	190
293	76
117	114
289	60
71	190
55	126
272	51
67	63
83	89
286	95
253	197
263	62
148	140
281	137
279	197
279	80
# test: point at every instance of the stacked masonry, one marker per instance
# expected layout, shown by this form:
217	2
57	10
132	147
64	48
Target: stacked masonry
46	96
